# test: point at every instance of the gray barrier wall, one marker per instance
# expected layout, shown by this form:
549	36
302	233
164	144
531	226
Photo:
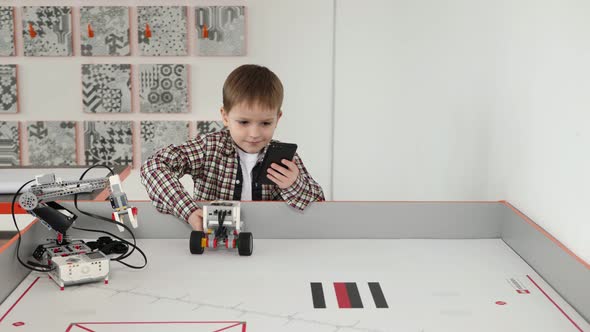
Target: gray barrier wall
570	278
331	220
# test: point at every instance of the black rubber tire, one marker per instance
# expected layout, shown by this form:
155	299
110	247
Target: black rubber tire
195	243
245	244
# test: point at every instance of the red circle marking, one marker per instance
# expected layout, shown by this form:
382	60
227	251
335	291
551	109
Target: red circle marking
18	323
500	303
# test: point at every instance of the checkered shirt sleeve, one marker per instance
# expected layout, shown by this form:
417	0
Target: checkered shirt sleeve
160	175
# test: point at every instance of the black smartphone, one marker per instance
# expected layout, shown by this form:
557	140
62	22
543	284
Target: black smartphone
276	152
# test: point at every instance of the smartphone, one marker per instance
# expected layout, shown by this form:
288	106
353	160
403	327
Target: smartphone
274	154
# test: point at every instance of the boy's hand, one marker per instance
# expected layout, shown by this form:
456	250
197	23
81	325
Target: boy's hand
196	220
281	176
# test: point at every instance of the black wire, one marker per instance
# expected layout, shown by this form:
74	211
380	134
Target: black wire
133	245
118	259
221	230
88	169
48	269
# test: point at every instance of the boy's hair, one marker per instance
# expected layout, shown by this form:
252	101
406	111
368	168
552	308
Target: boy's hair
255	85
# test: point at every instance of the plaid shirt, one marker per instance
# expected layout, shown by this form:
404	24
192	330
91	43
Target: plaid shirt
213	162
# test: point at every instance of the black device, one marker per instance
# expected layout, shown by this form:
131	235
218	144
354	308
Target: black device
55	215
276	152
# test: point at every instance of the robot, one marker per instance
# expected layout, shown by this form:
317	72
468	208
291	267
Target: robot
38	200
222	227
72	262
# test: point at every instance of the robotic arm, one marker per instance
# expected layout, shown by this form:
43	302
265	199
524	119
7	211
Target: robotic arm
38	200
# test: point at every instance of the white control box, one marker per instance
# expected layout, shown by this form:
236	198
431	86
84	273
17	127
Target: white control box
80	268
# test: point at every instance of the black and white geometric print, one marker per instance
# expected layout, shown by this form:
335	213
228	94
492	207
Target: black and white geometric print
163	88
207	127
104	31
108	142
221	30
162	30
6	31
158	134
106	88
52	143
9	143
47	31
8	89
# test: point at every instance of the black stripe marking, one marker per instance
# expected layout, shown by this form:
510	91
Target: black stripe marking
353	295
317	294
378	296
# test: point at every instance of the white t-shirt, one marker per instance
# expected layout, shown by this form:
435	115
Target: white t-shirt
247	162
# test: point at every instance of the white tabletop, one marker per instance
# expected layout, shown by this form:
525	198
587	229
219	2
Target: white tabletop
429	285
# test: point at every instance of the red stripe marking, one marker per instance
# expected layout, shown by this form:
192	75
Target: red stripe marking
342	295
17	301
555	304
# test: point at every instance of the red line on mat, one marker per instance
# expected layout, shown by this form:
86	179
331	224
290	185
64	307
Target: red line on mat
173	322
342	295
555	304
163	322
229	327
83	328
17	301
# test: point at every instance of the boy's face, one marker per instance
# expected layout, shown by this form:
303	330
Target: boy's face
251	127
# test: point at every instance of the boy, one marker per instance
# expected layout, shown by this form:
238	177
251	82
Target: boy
223	164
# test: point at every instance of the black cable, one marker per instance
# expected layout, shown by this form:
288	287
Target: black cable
221	218
224	230
123	256
101	165
46	268
133	245
119	259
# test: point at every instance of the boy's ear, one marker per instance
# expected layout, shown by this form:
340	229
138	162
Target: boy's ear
224	117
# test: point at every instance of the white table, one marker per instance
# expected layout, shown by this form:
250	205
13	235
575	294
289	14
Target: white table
429	285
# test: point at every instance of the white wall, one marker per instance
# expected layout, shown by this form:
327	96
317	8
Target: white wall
415	88
467	100
295	44
541	127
